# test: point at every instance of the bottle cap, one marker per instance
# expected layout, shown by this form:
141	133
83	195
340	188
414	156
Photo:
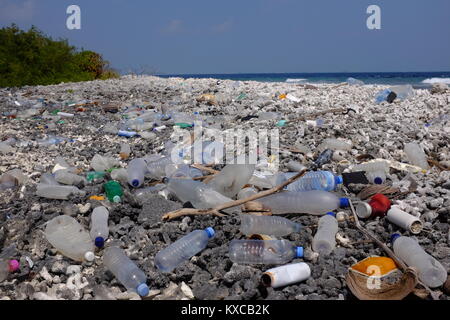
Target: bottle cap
116	199
143	290
394	237
378	180
210	231
299	252
338	180
363	210
13	265
331	214
99	242
344	203
89	256
135	183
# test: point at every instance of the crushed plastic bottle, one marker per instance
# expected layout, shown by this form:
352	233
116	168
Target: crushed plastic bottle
113	191
263	251
58	192
416	155
183	249
324	158
431	271
385	95
127	134
7	267
157	168
120	175
126	271
313	202
95	176
99	226
354	82
100	163
324	240
286	275
70	238
269	225
314	180
335	144
403	92
68	178
49	179
137	169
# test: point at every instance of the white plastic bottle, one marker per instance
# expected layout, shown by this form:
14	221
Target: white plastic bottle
99	226
263	251
324	240
126	271
416	155
68	178
375	171
100	163
136	172
269	225
183	249
431	271
404	220
70	238
57	191
286	275
313	202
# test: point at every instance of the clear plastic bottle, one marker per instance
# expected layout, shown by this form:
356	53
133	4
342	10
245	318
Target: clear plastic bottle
125	151
335	144
57	192
126	271
269	225
314	180
157	168
375	171
136	172
313	202
431	271
68	178
99	226
100	163
324	240
183	249
416	155
49	179
6	267
246	192
263	251
70	238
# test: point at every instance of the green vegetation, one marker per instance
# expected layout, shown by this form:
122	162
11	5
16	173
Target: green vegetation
32	58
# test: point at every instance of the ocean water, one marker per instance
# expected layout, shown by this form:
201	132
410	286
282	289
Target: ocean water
416	79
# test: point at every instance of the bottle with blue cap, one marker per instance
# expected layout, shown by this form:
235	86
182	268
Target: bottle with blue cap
263	251
314	180
126	271
324	240
136	172
99	226
183	249
431	272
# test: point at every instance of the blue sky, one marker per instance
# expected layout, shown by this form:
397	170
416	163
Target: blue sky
249	36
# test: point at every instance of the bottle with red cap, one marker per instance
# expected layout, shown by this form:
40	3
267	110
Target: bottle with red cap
378	206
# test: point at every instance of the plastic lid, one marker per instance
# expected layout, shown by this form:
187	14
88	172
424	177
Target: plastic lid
210	231
13	265
378	180
331	214
394	237
99	242
299	252
338	180
143	290
116	199
363	210
344	203
89	256
135	183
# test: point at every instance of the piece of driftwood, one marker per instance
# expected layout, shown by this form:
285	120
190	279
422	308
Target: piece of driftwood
216	211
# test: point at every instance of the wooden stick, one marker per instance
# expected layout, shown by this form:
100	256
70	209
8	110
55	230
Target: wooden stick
215	211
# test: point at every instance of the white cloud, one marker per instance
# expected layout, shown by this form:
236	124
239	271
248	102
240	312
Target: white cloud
174	26
17	10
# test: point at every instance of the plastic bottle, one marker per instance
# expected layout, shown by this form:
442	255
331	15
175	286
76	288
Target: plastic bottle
246	192
120	175
354	82
416	155
157	168
127	134
313	202
375	171
324	158
6	267
314	180
324	240
431	271
113	191
335	144
57	192
70	238
403	92
286	275
95	176
125	151
7	181
269	225
382	96
99	226
126	271
49	179
263	251
100	163
183	249
68	178
136	172
378	206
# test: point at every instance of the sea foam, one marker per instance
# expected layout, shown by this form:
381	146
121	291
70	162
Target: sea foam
437	80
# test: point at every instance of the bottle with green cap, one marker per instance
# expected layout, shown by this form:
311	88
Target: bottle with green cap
113	191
